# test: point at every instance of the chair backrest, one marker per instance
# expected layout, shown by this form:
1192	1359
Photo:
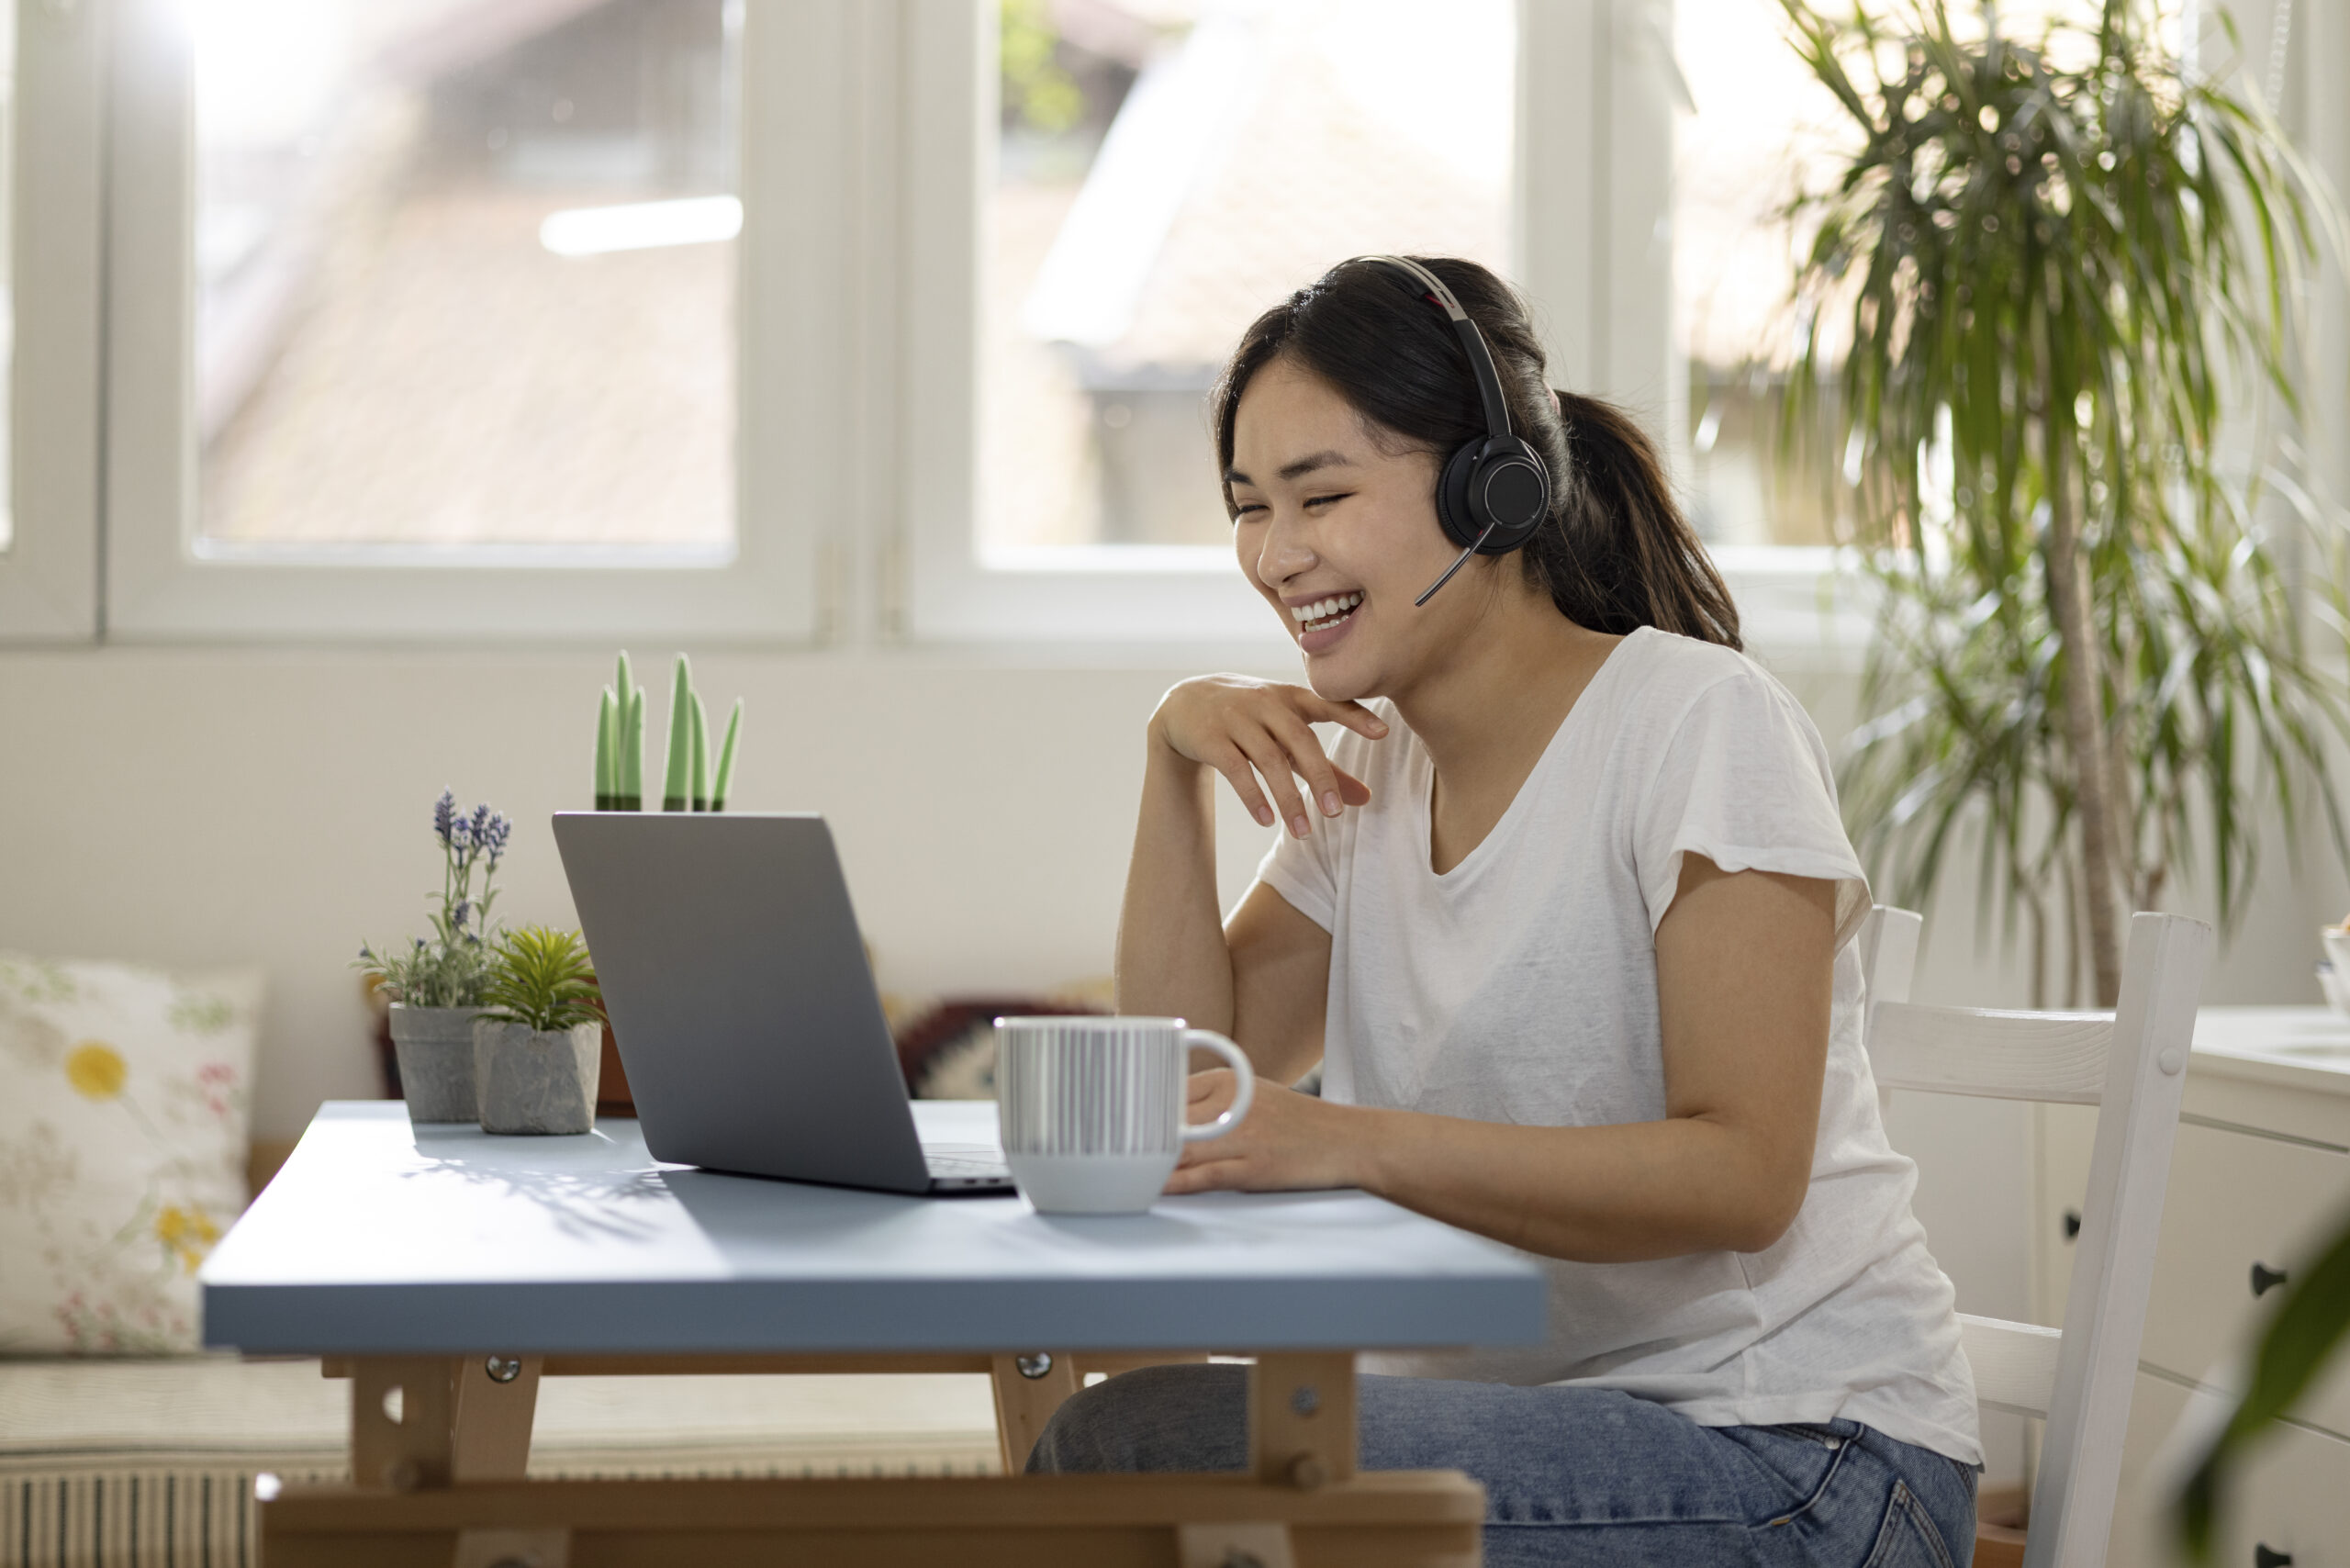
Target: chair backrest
2131	1065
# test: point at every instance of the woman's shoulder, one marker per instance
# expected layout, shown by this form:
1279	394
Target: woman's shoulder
1666	673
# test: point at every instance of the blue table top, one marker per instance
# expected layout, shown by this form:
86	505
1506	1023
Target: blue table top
381	1238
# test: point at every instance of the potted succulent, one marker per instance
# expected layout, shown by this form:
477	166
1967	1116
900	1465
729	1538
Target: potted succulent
535	1052
697	780
694	781
436	984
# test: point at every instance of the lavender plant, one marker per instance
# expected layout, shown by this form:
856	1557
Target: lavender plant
452	968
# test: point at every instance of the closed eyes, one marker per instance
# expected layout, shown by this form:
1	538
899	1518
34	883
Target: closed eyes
1243	509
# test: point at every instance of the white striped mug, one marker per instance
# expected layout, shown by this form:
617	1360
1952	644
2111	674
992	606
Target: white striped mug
1093	1108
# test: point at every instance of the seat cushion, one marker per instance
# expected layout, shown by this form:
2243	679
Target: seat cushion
117	1463
122	1149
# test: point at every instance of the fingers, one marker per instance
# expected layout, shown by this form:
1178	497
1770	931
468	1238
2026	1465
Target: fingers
1273	764
1318	709
1312	764
1237	773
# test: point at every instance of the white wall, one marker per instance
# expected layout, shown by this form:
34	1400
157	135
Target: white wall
196	806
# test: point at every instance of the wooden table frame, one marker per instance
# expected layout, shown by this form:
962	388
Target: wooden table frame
444	1484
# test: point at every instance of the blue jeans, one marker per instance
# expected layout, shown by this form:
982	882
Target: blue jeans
1574	1475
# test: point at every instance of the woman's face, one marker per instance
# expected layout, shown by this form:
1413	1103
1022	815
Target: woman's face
1340	537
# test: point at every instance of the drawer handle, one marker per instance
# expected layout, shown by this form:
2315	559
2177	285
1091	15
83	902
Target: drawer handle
2266	1279
2072	1224
2264	1558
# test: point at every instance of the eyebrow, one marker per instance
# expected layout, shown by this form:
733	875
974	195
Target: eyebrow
1302	466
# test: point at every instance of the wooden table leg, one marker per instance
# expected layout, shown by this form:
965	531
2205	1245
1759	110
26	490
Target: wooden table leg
402	1421
1302	1417
495	1398
1028	1389
466	1418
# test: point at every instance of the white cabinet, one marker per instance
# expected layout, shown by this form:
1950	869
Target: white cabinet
2260	1176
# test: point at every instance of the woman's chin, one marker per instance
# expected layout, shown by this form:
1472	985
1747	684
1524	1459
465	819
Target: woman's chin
1340	675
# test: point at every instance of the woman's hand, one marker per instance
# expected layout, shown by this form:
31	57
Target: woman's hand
1288	1140
1246	728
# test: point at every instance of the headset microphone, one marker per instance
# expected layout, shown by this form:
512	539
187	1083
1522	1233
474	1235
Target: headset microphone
1495	492
1460	561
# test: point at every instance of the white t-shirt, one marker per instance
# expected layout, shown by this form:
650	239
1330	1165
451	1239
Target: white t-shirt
1520	987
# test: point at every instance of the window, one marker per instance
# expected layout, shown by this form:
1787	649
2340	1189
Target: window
464	274
801	320
1758	126
1166	172
475	316
1149	175
1755	124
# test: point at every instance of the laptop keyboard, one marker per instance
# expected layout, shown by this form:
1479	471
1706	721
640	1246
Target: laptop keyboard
964	1160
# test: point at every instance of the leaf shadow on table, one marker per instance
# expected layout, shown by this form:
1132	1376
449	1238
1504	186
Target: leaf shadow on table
585	1204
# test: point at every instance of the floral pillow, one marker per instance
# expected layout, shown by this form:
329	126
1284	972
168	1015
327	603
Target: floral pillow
122	1149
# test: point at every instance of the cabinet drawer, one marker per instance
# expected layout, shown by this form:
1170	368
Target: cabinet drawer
2236	1200
2292	1497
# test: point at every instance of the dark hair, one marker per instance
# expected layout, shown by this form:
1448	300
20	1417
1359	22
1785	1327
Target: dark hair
1614	553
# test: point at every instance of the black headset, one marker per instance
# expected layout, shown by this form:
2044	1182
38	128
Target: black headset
1495	492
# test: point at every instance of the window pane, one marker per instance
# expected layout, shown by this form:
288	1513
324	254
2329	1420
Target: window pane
1167	169
465	272
7	253
1762	120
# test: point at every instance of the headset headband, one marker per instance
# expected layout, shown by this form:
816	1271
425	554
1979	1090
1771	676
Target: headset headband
1431	288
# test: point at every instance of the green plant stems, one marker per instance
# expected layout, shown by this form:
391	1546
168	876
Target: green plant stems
701	790
630	781
680	778
608	724
721	786
632	753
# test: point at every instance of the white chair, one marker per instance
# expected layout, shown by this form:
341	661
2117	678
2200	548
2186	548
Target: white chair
2131	1065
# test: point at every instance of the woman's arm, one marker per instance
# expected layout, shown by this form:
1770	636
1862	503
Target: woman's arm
1745	969
1264	979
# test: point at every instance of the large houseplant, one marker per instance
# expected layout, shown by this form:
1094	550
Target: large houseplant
2042	282
2044	278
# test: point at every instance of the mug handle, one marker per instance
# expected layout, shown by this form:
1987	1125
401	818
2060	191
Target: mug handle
1209	1039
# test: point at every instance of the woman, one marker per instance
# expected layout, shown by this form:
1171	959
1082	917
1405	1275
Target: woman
1567	916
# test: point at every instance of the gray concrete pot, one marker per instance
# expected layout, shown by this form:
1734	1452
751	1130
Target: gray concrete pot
435	1046
527	1082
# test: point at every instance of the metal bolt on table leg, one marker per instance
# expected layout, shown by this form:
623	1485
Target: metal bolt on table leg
503	1369
1305	1401
1035	1364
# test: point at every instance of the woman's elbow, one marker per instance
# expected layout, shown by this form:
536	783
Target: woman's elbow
1767	1213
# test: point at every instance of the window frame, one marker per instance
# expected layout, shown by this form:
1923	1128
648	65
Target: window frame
1590	195
793	498
49	575
1106	594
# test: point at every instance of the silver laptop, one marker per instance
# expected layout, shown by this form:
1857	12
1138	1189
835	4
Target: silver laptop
740	997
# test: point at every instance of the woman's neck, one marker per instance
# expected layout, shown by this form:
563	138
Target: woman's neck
1488	712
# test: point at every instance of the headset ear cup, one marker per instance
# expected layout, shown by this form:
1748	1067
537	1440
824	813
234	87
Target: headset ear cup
1452	509
1513	483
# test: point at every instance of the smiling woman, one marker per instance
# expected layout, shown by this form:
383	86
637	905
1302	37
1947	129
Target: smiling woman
1568	916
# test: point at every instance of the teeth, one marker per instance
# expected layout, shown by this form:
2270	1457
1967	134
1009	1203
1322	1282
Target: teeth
1324	609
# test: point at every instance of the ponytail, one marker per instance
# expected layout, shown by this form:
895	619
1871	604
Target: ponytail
1614	553
1617	554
